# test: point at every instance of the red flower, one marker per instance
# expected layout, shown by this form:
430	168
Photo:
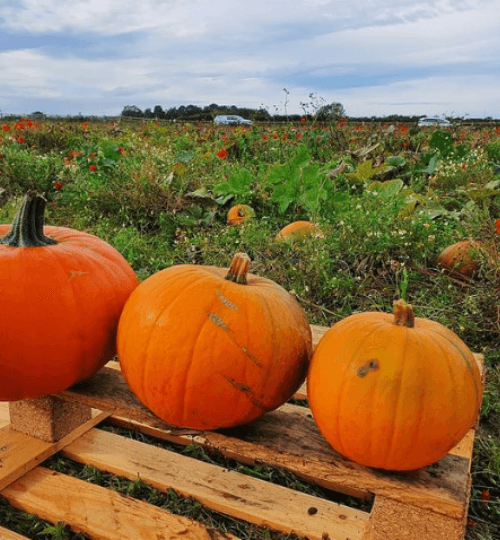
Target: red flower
92	155
29	123
93	167
58	186
6	127
85	126
403	128
21	139
302	119
275	137
497	225
222	154
299	136
120	149
265	137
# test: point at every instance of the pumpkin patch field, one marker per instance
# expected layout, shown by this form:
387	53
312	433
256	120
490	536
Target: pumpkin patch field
385	233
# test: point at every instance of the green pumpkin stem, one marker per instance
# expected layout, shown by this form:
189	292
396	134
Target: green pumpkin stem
403	314
239	268
27	227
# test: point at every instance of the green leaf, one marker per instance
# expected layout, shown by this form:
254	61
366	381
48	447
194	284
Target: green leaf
396	161
185	157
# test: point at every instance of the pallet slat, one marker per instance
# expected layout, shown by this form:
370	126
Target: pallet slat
288	438
20	453
5	534
100	512
429	504
225	491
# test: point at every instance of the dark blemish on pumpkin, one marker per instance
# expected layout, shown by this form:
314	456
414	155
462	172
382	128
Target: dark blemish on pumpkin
225	300
251	357
368	367
248	392
312	510
218	321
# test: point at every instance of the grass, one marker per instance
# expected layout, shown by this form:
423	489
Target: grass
388	199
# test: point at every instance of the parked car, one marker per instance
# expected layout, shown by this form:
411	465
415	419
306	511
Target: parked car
232	120
433	121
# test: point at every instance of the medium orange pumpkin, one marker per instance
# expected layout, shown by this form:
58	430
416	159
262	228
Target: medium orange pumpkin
206	347
462	257
298	229
395	391
62	292
239	214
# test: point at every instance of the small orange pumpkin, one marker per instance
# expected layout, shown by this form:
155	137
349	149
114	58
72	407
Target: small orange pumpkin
239	214
62	292
462	257
299	229
206	347
395	391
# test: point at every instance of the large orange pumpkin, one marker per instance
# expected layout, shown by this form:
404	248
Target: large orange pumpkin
206	347
462	257
395	391
62	292
299	229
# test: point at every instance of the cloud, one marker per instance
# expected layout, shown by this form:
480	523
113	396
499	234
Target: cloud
100	55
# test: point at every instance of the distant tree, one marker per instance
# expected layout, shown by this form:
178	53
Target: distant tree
132	110
329	112
148	113
158	112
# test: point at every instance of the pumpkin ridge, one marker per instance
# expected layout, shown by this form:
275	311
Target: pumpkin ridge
196	278
400	403
470	367
378	324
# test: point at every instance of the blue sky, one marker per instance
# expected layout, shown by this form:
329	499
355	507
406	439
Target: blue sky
376	57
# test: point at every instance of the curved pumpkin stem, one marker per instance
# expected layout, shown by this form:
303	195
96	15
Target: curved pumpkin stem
403	314
27	227
239	268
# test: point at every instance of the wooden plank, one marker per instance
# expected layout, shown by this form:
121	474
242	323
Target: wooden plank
99	512
282	438
228	492
4	413
6	534
20	453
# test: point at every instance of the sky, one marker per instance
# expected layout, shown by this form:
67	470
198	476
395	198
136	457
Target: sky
375	57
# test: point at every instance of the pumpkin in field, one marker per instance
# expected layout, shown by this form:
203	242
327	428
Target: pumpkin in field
205	347
62	292
299	229
239	214
394	391
462	257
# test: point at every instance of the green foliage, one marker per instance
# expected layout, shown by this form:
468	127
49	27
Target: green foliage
387	201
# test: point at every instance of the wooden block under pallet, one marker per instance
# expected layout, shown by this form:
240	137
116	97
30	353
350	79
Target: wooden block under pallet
47	418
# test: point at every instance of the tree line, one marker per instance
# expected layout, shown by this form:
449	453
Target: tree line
194	113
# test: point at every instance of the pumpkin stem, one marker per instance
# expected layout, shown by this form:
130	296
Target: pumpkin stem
27	228
239	268
403	314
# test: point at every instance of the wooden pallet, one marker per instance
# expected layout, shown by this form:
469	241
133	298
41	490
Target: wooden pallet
429	504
